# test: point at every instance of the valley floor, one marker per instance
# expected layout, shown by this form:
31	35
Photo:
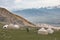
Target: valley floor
24	35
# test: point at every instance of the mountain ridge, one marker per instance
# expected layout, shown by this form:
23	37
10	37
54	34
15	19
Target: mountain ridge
8	17
42	14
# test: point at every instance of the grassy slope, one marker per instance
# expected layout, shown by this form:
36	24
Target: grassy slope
23	35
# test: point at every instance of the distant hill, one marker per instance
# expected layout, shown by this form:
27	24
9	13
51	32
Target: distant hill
6	17
41	15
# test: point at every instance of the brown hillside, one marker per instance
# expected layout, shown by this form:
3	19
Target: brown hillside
7	17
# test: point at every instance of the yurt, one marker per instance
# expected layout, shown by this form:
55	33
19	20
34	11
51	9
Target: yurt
42	31
10	26
5	26
16	26
50	31
13	26
56	28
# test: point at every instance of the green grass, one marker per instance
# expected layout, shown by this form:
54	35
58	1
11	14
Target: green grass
23	35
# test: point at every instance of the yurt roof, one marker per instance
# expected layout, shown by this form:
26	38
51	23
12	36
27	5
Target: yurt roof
42	29
5	25
49	29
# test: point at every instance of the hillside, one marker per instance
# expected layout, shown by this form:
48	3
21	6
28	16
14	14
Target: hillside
7	17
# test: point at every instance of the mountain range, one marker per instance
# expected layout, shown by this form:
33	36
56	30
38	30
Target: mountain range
43	15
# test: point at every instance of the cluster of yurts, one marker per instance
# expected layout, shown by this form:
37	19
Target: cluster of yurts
11	26
47	29
44	28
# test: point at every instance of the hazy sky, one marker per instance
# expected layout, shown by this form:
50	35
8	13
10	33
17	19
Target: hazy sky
24	4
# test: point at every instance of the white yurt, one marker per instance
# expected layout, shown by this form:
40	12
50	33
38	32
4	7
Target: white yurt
56	28
11	26
5	26
50	31
42	31
16	26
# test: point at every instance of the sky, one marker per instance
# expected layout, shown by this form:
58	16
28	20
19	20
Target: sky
25	4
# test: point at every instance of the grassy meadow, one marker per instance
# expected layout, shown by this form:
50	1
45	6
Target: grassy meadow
24	35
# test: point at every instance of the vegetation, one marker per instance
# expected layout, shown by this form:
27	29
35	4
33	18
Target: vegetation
6	34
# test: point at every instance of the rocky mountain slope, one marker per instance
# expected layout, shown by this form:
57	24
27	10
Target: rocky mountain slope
7	17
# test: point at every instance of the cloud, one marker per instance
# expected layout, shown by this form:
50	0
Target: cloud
25	4
9	4
18	1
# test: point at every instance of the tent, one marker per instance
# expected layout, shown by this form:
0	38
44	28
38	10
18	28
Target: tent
42	31
56	28
5	26
11	26
50	31
16	26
